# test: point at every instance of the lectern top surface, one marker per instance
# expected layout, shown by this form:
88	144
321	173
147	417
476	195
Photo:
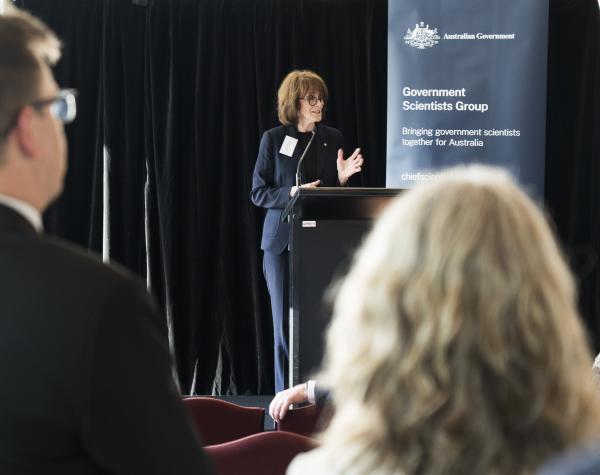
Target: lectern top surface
348	191
338	203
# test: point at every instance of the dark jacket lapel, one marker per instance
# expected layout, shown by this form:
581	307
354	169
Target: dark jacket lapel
322	145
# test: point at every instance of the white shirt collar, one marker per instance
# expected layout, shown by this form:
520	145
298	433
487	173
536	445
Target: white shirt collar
24	209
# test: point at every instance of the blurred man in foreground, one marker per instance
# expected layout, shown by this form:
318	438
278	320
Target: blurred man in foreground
85	369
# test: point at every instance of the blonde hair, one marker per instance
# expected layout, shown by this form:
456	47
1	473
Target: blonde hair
295	86
456	346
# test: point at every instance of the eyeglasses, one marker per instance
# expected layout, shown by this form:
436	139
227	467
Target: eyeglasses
312	100
63	107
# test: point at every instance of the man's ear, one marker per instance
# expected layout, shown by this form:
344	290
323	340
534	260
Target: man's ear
25	132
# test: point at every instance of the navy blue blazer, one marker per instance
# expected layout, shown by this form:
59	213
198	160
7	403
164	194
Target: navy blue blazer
275	174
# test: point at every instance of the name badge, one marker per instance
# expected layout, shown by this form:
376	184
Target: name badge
288	146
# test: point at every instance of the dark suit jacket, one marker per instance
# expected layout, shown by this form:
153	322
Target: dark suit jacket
275	174
322	395
85	370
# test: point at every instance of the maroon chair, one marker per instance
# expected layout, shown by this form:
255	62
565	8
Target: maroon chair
303	420
219	421
267	453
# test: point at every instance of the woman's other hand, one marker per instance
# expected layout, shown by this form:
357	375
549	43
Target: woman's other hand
312	184
348	167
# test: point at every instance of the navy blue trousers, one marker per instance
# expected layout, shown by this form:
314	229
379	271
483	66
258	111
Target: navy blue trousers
276	271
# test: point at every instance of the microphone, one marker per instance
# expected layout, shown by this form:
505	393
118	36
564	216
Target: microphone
302	158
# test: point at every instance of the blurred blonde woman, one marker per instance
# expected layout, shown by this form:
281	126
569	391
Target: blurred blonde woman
456	347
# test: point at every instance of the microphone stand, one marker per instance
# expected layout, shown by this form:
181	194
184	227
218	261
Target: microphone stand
302	158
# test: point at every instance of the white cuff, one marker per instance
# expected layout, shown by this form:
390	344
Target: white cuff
596	366
310	391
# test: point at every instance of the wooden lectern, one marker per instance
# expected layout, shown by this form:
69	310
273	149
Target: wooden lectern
326	226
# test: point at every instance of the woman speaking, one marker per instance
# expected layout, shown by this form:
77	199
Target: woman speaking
301	103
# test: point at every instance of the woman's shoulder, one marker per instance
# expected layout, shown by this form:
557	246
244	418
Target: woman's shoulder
327	131
315	461
280	130
350	459
274	137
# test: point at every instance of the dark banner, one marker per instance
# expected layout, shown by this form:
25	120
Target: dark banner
466	83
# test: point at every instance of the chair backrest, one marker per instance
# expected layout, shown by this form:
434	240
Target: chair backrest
267	453
219	421
303	420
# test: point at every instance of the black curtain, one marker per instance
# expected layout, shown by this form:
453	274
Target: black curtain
213	70
77	214
572	190
122	79
180	91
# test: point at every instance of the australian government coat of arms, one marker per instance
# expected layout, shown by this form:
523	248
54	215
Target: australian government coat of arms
422	36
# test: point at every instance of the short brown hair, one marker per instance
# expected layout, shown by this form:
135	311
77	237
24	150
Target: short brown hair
295	86
25	43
